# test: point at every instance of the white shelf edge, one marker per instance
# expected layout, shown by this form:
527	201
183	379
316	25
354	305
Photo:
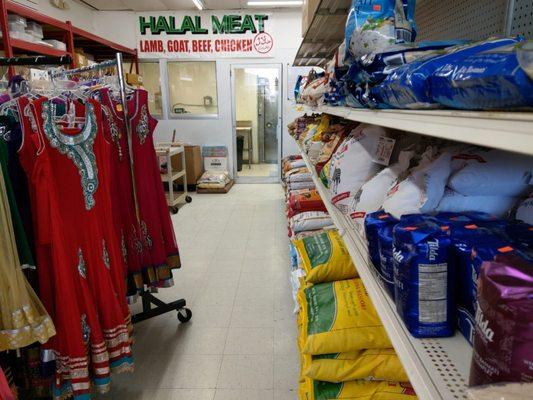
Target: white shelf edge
511	131
437	368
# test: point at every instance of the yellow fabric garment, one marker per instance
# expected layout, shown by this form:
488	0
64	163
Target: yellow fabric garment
23	319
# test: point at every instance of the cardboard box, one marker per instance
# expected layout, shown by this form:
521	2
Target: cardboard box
216	163
309	8
193	163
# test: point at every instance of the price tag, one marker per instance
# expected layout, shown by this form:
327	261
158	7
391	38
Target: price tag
384	150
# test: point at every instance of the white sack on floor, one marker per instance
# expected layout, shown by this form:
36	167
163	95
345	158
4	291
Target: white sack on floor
300	185
352	164
494	205
483	172
373	193
422	190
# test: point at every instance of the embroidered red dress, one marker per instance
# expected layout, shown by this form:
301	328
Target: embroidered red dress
79	257
156	225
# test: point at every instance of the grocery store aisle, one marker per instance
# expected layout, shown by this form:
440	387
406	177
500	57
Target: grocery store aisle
241	341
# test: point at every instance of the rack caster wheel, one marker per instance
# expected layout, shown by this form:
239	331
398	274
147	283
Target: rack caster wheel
184	315
174	210
188	199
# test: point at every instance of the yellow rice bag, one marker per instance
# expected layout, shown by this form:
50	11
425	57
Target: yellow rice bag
355	390
338	317
371	364
323	126
325	258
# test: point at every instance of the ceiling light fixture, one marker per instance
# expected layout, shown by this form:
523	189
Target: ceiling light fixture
294	3
199	4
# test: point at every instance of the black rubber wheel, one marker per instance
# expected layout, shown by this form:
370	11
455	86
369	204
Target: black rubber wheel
184	315
188	199
174	210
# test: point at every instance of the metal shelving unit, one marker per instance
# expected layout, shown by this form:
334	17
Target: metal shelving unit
437	368
174	198
511	131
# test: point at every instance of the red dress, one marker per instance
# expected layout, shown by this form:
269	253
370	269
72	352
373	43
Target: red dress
83	272
156	225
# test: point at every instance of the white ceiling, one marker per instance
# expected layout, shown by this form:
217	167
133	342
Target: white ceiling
163	5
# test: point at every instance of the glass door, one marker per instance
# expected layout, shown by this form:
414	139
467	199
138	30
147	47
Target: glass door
257	122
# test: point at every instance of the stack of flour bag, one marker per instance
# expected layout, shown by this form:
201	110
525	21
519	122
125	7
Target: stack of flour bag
379	65
449	233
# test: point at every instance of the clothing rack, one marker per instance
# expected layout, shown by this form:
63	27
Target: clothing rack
148	299
37	60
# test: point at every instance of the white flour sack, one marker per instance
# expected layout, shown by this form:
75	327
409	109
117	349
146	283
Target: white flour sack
352	164
525	210
422	190
373	193
494	205
309	221
491	173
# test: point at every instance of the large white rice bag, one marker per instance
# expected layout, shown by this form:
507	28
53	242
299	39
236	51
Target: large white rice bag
422	190
494	205
525	210
487	172
301	185
352	164
309	221
373	193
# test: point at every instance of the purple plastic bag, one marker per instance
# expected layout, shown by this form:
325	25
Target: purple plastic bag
503	339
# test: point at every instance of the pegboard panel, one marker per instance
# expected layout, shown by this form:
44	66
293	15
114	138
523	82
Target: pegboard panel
460	19
522	22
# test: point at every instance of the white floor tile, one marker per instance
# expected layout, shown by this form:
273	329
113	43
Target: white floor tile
241	341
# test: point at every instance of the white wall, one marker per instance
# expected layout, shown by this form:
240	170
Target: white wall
120	27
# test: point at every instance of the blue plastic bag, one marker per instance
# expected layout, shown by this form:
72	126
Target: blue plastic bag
374	26
424	277
466	324
373	223
488	80
408	86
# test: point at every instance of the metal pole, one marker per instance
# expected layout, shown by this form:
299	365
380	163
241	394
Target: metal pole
123	98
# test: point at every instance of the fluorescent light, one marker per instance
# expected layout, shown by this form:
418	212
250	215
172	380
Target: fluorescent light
275	3
199	4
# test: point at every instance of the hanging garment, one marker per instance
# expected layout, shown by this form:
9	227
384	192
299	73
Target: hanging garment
5	390
156	225
124	212
23	319
10	141
81	271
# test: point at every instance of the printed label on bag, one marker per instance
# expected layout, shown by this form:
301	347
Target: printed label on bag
384	149
432	291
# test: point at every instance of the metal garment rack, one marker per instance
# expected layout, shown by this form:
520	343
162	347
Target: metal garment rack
148	299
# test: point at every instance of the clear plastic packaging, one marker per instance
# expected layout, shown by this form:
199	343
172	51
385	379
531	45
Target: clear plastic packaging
17	19
56	44
35	29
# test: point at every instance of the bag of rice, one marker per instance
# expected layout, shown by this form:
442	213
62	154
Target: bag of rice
336	135
376	26
525	210
373	365
452	201
325	258
488	172
373	193
213	179
353	164
504	317
424	277
422	190
373	223
356	390
339	317
300	185
309	221
303	202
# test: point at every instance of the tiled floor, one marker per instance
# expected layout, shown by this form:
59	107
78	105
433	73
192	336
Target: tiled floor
241	341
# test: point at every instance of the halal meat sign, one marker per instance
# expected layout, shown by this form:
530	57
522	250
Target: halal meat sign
186	35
